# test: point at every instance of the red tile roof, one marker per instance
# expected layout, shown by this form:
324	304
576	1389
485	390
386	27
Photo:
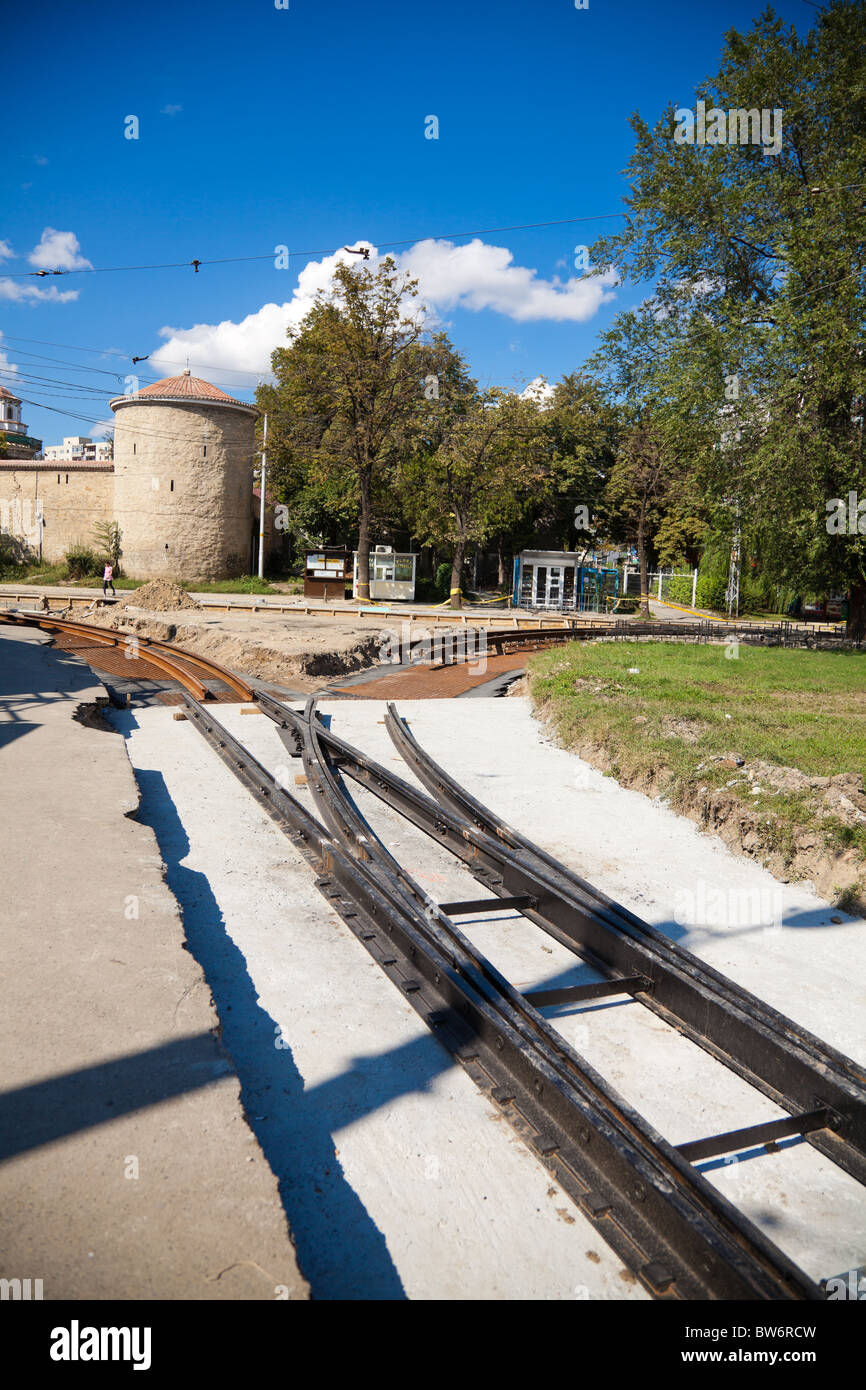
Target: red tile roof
184	387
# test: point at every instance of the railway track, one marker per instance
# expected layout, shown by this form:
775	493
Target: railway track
501	640
175	662
678	1235
645	1197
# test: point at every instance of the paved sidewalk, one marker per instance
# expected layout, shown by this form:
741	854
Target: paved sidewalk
127	1168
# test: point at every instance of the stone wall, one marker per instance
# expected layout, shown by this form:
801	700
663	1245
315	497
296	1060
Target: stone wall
71	508
183	488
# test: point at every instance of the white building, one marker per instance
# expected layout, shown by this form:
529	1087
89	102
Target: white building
10	413
80	448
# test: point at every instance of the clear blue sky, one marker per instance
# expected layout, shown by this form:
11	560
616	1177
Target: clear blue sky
305	127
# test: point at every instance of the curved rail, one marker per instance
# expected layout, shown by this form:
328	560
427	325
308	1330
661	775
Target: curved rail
670	1225
165	656
825	1090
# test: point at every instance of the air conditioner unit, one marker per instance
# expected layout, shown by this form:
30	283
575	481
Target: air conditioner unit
384	550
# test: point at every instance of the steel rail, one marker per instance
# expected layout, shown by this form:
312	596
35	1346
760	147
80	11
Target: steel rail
163	655
796	1070
669	1224
498	639
785	1061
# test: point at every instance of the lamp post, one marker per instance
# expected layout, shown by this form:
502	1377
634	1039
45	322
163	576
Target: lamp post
262	500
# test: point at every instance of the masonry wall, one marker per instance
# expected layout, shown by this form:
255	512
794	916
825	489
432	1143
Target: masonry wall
183	489
71	508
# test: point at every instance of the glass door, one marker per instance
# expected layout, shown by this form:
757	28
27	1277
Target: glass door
554	586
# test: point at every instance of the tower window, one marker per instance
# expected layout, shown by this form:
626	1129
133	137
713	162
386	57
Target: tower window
58	477
171	489
133	448
204	451
67	477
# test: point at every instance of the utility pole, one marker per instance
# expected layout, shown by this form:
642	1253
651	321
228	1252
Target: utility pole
262	500
733	591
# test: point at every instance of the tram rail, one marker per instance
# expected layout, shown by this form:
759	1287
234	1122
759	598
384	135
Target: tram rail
676	1233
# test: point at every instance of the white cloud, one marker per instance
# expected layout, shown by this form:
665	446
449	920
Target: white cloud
539	389
224	349
6	251
475	276
58	251
21	291
171	110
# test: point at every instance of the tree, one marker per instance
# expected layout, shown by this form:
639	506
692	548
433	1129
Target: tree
582	429
481	477
640	480
109	536
759	256
347	392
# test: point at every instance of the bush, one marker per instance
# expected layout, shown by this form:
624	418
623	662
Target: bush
711	592
678	589
14	553
81	562
443	580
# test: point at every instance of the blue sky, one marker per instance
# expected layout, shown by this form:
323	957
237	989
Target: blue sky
304	127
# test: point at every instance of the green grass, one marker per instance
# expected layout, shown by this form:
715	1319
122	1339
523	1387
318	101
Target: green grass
248	584
797	709
57	574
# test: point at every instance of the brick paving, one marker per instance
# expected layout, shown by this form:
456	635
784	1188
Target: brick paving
422	682
432	683
113	661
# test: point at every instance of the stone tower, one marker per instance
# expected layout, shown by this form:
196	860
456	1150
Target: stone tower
183	480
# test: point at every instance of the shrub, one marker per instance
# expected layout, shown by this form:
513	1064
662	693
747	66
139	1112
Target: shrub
81	562
678	589
711	592
14	553
443	580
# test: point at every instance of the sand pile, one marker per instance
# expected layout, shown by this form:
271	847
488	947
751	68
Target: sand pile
158	596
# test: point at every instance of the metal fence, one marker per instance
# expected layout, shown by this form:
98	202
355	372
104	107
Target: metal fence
675	586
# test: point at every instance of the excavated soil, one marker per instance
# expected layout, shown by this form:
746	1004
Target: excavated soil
158	596
756	834
299	651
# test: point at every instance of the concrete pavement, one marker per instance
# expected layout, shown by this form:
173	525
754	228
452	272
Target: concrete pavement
127	1168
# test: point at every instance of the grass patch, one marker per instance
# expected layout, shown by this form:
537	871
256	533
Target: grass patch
247	584
671	712
58	575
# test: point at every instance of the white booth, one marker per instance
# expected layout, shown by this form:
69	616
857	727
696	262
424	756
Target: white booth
392	574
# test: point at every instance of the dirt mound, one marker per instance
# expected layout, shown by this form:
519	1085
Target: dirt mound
158	596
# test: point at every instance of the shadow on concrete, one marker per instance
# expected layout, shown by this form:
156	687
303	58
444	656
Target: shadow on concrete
340	1249
13	728
52	1109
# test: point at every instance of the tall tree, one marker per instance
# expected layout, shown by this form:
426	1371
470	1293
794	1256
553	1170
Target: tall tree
347	389
481	477
758	253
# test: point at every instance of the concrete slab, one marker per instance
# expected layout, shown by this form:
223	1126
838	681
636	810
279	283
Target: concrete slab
400	1179
127	1169
398	1176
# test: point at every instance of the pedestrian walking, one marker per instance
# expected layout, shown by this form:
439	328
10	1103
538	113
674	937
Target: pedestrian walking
108	581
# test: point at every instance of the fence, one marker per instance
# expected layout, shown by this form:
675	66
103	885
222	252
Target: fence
677	586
